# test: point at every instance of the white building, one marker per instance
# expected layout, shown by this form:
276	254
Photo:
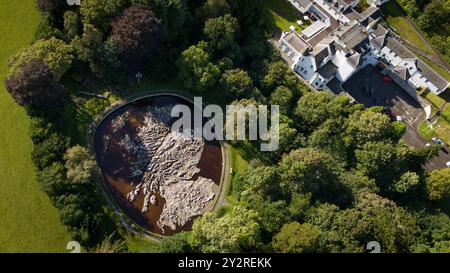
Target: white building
410	68
341	41
377	2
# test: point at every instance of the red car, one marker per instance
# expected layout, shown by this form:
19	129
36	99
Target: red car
387	79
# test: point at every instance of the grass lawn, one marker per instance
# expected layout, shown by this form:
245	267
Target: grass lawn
437	101
240	156
28	222
426	132
443	131
237	164
396	19
139	245
284	15
442	128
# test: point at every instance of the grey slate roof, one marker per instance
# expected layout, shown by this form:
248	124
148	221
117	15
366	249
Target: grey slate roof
303	3
351	35
372	12
403	72
328	70
352	14
426	71
329	41
354	59
398	48
320	52
379	30
431	75
378	42
295	41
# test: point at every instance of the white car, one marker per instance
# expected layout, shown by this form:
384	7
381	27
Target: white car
447	164
399	119
437	141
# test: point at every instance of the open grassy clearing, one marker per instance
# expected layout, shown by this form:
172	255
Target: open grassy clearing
241	154
396	19
28	221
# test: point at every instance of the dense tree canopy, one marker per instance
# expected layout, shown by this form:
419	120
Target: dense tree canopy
71	24
196	70
234	232
282	96
55	53
308	170
34	86
81	166
438	184
296	238
99	13
237	83
136	34
55	7
341	175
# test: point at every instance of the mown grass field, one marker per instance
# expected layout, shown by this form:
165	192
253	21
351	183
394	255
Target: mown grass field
28	222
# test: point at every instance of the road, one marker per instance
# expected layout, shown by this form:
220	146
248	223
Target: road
221	201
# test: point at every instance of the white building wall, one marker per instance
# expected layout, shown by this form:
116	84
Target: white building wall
376	2
418	80
391	57
344	69
318	82
306	67
330	10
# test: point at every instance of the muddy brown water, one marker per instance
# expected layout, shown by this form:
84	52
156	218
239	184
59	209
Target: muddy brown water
114	161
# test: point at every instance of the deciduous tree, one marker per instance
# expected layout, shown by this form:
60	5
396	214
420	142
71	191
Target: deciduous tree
237	83
195	69
55	53
33	86
81	166
438	184
296	238
236	231
137	33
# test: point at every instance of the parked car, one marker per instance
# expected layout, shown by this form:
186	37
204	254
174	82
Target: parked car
437	141
447	164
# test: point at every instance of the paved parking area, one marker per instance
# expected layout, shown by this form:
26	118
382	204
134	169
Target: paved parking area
368	87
